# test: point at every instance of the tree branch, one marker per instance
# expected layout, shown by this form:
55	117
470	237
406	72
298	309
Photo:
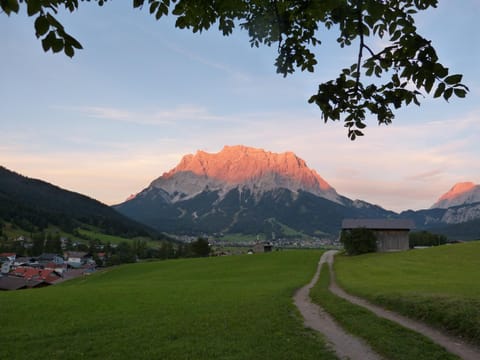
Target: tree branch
280	39
362	43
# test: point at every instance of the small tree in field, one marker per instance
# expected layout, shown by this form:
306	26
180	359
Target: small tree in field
200	248
358	241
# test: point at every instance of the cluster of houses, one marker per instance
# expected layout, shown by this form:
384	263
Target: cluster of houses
47	269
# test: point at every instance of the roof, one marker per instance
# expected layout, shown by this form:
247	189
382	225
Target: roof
76	254
16	283
379	224
49	256
29	273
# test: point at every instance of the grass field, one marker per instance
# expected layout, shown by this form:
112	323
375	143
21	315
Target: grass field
237	307
439	285
112	239
388	339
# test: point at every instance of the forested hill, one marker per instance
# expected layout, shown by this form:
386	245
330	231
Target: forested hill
34	204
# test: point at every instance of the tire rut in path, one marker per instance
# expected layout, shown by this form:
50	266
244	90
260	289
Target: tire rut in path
345	345
452	344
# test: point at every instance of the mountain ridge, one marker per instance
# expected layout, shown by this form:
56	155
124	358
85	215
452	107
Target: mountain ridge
462	193
37	204
244	190
239	165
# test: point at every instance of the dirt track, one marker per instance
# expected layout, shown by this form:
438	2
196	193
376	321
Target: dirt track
348	346
344	344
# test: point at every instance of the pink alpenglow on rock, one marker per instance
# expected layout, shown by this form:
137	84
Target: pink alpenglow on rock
249	168
460	194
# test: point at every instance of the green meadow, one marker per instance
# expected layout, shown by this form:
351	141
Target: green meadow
96	234
439	285
237	307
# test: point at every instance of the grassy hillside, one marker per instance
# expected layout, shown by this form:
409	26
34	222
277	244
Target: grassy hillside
236	307
96	234
438	285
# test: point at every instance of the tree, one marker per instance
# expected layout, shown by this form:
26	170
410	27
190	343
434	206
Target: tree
358	241
200	247
125	252
426	238
404	69
38	239
53	243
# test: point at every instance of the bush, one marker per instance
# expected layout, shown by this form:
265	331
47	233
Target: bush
425	238
358	241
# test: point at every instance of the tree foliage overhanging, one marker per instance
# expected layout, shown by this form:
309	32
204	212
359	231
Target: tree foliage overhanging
405	69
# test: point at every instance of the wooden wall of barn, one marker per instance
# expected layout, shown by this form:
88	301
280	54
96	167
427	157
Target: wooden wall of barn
391	240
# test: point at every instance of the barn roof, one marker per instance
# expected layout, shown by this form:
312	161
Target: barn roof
378	224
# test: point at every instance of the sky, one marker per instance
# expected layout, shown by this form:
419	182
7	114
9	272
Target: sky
142	94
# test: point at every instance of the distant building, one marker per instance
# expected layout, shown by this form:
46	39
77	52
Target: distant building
262	247
391	234
47	258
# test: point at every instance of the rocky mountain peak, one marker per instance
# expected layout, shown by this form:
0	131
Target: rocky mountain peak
242	166
460	194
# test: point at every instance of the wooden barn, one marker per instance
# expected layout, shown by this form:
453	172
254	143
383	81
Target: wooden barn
391	234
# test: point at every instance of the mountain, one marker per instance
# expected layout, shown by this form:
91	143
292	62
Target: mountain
35	204
464	193
244	190
455	214
253	169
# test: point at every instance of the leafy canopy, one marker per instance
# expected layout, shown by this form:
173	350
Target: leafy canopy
399	73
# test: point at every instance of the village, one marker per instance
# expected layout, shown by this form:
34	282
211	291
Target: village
44	270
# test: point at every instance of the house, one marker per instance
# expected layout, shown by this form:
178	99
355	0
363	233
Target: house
6	262
262	247
391	234
8	257
17	283
25	261
76	259
49	258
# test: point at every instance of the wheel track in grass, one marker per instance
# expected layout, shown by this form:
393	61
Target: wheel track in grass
450	343
344	344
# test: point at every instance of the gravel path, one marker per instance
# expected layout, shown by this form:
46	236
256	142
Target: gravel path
344	344
454	345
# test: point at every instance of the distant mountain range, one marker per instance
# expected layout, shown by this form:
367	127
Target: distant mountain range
239	190
250	191
33	205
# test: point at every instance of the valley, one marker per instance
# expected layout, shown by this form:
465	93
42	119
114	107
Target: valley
238	306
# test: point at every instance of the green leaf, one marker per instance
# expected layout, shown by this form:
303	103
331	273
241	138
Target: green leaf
41	25
460	93
12	5
429	83
453	79
68	49
153	6
440	90
360	125
57	45
138	3
33	7
448	93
